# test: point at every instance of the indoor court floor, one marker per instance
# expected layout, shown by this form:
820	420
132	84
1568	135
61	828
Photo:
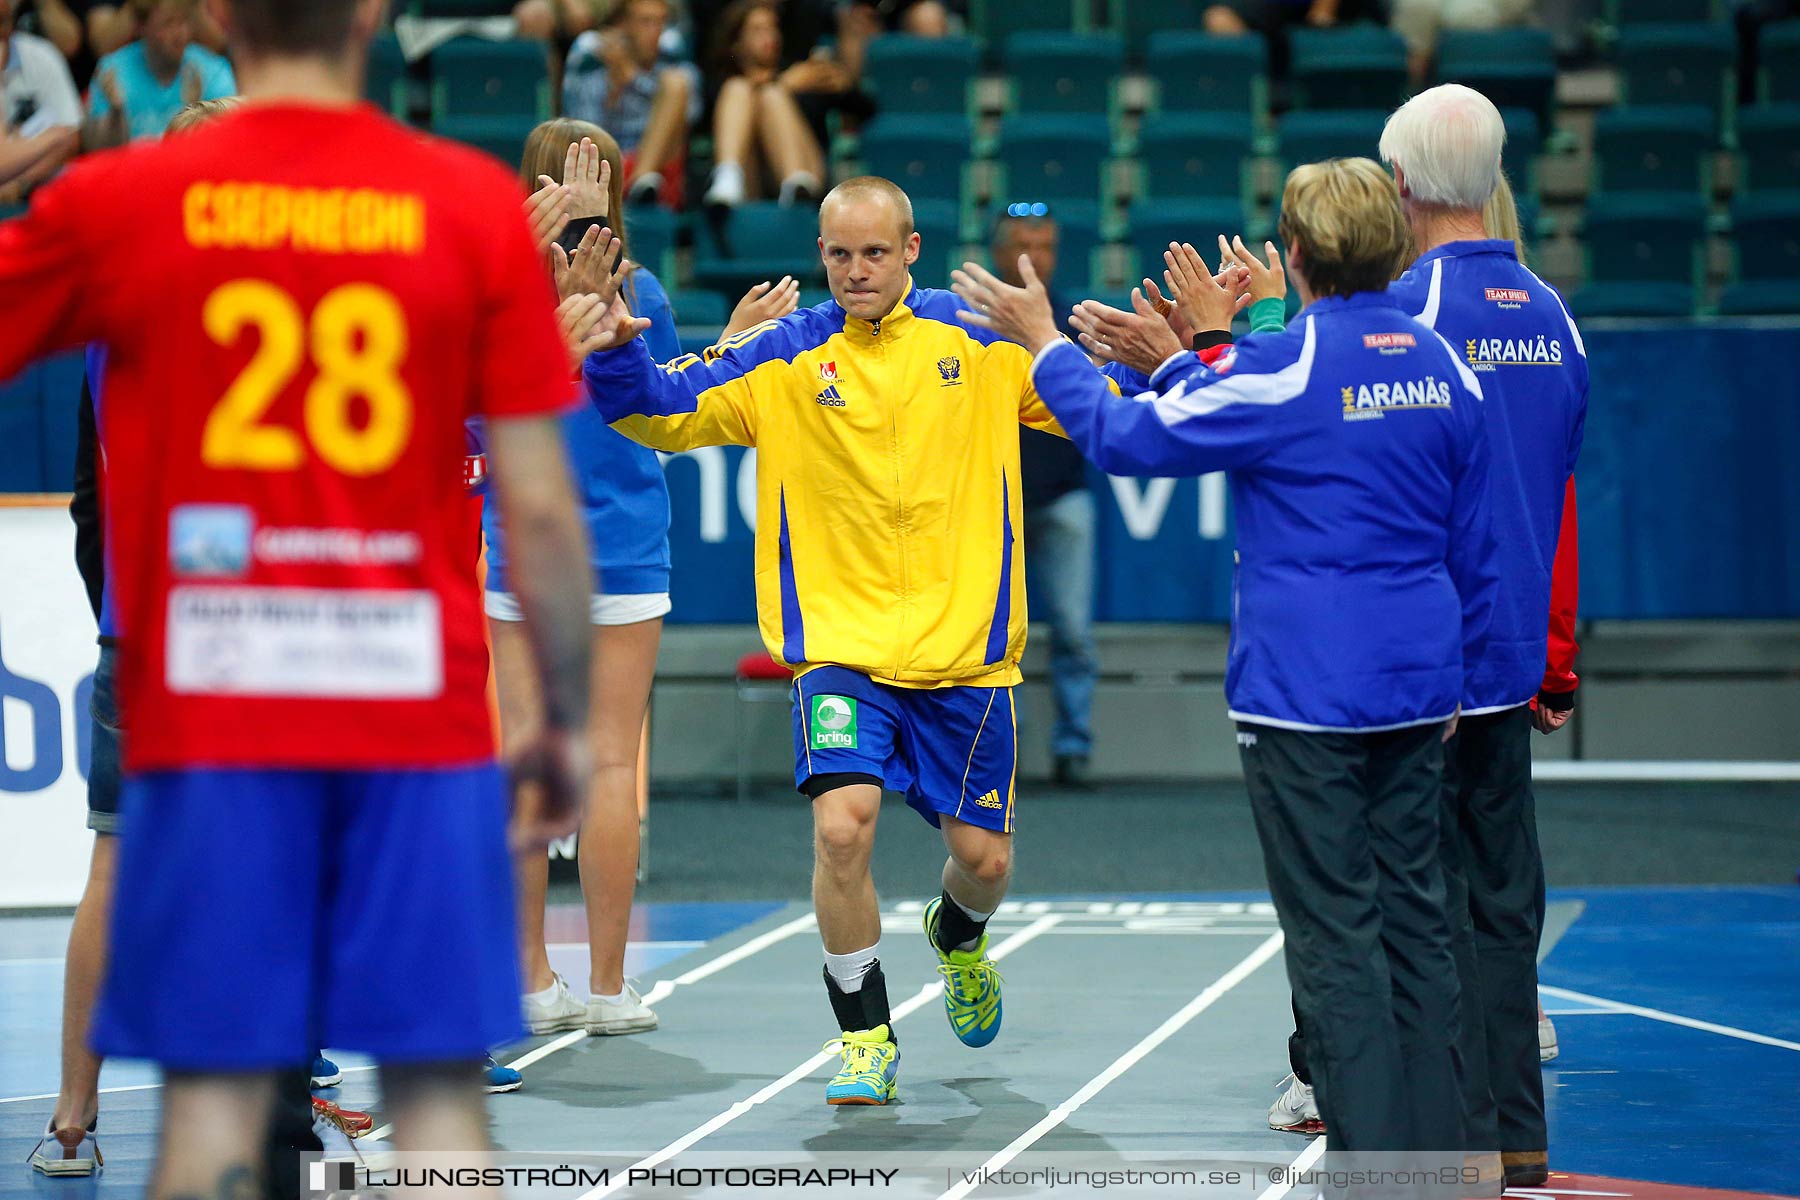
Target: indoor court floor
1134	1026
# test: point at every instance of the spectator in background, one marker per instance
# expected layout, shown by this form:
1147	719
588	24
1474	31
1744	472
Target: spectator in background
139	89
621	77
41	110
1273	18
1420	22
112	27
759	127
64	24
862	21
1059	521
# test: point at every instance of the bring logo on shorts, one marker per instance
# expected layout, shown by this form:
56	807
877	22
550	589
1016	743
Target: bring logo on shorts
831	723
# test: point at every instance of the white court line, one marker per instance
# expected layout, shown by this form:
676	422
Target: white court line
1307	1158
663	989
1586	1012
1093	1087
1666	772
769	1092
1657	1014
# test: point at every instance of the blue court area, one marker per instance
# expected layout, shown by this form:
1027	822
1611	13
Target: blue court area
1679	1065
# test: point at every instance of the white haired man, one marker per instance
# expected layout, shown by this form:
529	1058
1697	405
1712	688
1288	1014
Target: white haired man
1514	331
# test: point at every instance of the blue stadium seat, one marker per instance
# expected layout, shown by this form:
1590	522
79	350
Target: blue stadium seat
1515	68
1654	147
1356	66
1679	64
386	85
1644	237
503	137
1063	72
1054	158
760	240
474	77
1633	300
923	154
921	75
1769	145
1305	137
996	20
701	310
1761	298
1155	225
1524	143
1194	154
939	224
650	233
1778	63
1140	21
1765	236
1196	72
1623	13
1078	237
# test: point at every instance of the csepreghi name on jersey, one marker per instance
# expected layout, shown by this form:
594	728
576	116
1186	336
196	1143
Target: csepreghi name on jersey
1371	401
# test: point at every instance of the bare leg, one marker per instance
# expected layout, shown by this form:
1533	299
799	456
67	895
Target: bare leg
734	119
437	1106
83	970
624	665
843	889
787	139
1221	21
213	1133
667	130
520	713
979	869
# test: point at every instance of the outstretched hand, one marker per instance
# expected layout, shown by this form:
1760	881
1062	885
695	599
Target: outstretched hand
1019	314
590	323
588	176
547	209
1268	281
1141	339
763	302
597	266
1208	301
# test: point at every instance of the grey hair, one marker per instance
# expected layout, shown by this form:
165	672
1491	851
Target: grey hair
1448	141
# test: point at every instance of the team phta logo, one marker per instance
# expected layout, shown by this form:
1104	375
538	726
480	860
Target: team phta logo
828	372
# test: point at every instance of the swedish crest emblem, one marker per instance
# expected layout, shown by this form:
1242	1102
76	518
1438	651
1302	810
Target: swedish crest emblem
950	367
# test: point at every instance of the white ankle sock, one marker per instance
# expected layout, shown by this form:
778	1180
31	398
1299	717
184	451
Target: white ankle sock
969	912
848	970
618	999
548	994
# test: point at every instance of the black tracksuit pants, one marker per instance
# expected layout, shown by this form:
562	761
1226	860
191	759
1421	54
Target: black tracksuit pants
1349	832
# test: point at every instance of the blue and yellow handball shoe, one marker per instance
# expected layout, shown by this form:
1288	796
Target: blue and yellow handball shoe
971	985
870	1070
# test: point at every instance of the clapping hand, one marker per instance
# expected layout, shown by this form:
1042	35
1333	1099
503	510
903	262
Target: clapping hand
1268	281
590	324
548	211
1019	314
1208	301
597	266
588	176
763	302
1141	339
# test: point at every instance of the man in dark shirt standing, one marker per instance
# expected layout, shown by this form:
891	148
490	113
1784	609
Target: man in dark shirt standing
1059	523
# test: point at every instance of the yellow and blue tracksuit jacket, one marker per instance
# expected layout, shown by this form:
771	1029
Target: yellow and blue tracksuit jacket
888	505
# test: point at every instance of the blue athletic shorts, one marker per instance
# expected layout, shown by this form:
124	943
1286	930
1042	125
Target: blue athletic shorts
951	751
263	914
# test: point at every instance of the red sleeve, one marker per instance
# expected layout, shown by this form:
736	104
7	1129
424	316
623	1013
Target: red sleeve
1565	583
521	366
44	272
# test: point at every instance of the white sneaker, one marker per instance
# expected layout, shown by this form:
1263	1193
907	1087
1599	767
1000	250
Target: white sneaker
630	1015
562	1010
727	189
800	187
1547	1048
1296	1111
71	1152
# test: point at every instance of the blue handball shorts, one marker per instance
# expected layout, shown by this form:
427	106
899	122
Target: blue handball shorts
262	914
951	751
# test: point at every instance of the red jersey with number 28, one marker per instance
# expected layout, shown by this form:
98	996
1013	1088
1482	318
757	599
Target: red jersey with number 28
302	305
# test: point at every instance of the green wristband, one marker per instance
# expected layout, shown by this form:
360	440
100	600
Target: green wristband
1268	315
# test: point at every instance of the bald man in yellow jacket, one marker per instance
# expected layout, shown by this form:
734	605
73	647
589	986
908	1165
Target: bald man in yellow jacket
890	576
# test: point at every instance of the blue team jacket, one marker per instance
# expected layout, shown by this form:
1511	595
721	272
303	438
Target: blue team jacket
1358	468
1514	332
620	483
